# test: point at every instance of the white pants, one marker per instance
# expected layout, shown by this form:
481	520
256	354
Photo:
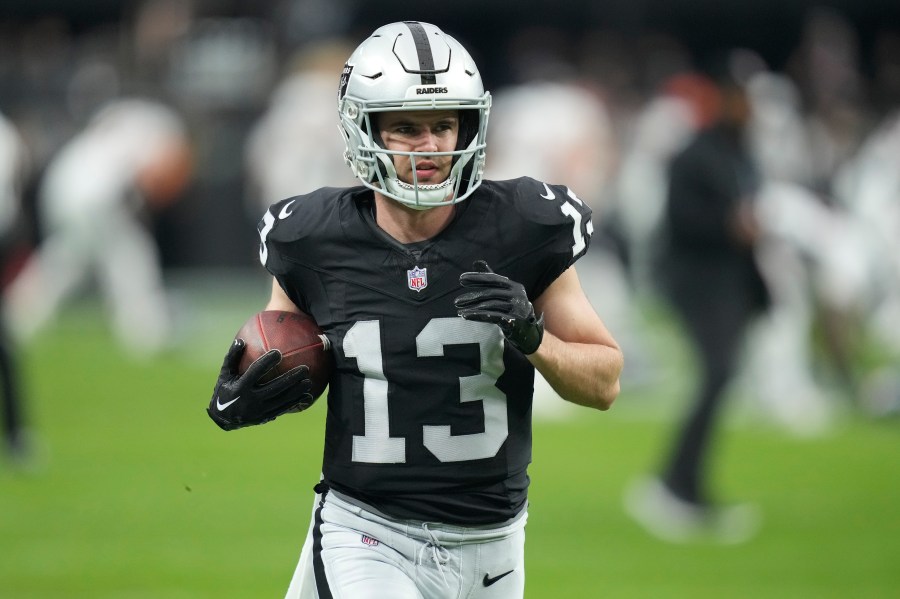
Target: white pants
113	245
352	553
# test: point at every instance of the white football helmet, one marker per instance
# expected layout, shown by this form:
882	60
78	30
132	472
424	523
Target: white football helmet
413	66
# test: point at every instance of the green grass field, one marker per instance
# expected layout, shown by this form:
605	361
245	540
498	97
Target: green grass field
141	496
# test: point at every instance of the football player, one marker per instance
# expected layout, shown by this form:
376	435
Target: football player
440	293
14	435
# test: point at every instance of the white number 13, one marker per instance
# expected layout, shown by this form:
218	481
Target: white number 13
363	342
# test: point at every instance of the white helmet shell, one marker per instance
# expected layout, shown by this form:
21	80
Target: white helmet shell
413	66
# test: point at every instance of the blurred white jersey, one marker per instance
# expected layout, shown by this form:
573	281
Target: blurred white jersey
868	187
12	161
97	169
88	202
297	146
778	134
554	132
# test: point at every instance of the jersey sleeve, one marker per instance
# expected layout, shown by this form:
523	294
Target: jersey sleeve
290	232
273	234
557	226
289	229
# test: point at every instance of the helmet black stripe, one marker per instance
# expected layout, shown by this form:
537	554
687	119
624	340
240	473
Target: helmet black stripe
423	49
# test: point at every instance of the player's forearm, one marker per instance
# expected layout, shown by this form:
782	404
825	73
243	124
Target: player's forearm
584	374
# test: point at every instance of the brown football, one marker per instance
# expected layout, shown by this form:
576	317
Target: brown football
297	337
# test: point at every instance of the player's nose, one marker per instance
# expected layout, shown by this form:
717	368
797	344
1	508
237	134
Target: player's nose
427	142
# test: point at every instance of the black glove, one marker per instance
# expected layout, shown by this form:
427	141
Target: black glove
239	400
503	302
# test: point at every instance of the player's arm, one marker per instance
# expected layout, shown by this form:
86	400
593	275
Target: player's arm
577	355
561	334
279	299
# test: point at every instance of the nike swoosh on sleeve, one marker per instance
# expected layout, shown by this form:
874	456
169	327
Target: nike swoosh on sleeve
284	210
550	195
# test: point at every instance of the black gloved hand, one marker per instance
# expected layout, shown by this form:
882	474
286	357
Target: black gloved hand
503	302
239	400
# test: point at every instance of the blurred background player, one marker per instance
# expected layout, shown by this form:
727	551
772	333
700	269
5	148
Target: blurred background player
708	273
867	187
13	163
292	148
795	257
132	156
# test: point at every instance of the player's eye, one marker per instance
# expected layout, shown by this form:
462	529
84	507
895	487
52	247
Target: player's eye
445	126
405	130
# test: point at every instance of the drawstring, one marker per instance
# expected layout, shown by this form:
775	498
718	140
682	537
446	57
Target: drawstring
439	553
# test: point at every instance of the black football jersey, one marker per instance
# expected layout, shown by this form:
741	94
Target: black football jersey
429	415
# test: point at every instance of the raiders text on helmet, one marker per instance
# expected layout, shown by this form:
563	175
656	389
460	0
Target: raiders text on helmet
413	66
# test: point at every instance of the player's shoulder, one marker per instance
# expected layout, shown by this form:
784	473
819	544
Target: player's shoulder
539	228
537	201
303	215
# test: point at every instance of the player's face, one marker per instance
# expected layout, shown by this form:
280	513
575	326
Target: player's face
421	131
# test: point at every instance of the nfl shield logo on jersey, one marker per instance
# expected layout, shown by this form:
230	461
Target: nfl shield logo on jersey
417	278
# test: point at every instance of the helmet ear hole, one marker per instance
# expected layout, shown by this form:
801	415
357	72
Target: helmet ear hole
372	121
468	128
